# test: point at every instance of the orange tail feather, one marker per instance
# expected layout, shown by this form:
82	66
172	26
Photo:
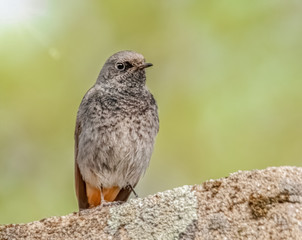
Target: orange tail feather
94	194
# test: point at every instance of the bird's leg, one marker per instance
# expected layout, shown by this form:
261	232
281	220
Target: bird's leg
132	189
103	201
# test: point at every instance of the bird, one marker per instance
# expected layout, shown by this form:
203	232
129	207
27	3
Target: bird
116	126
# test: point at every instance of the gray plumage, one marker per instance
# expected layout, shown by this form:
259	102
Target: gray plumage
117	123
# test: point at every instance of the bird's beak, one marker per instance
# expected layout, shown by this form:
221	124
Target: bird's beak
145	65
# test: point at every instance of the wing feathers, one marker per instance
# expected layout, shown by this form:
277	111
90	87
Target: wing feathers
80	185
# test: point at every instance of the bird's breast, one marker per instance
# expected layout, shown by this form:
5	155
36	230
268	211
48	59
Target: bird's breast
118	145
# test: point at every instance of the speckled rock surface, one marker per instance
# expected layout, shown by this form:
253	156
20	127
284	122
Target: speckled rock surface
260	204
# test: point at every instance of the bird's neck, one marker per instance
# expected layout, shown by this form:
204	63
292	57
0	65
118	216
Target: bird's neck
136	91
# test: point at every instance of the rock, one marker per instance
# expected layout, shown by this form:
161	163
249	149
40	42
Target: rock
260	204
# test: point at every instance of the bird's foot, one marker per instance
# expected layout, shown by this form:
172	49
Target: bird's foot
110	204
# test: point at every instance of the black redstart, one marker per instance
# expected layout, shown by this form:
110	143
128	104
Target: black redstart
116	126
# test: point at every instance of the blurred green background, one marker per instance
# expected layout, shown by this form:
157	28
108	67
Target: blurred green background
226	76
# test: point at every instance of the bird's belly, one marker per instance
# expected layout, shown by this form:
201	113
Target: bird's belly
119	154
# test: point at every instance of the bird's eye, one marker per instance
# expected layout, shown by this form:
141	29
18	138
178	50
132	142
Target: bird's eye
120	66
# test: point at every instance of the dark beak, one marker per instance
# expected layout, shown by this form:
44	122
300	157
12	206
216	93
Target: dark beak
145	65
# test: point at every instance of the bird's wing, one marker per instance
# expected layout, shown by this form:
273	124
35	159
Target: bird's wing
80	185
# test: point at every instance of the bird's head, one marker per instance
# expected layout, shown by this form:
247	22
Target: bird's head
125	68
